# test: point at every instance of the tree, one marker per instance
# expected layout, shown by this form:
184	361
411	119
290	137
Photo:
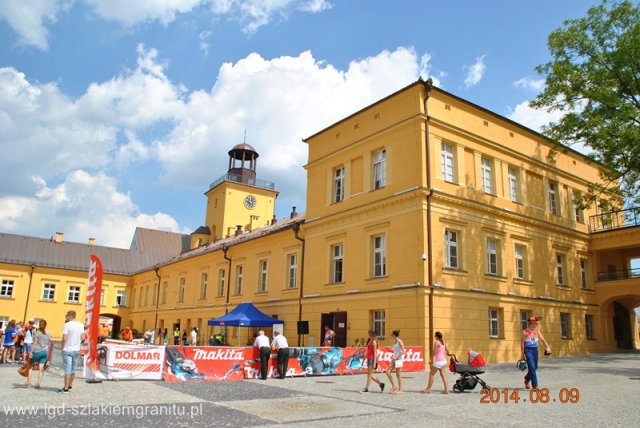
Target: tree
594	79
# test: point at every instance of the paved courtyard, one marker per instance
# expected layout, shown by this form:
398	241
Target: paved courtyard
608	386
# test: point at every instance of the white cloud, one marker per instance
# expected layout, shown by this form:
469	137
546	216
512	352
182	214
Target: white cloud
532	118
314	6
425	70
129	12
204	41
530	83
27	19
83	206
475	72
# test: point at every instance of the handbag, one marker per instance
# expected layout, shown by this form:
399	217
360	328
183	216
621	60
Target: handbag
25	368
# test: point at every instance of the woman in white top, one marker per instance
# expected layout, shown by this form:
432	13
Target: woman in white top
396	363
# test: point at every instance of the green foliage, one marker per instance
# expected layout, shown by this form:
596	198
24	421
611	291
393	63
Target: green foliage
594	78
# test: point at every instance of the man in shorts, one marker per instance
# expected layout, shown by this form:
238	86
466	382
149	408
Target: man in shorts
72	336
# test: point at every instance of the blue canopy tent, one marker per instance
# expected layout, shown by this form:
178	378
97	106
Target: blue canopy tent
245	315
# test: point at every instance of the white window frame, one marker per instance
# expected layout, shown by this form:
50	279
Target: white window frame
73	294
49	292
239	280
204	283
379	169
487	175
378	322
448	163
553	198
513	183
103	293
182	285
560	269
222	274
494	323
292	271
7	288
451	249
379	253
493	265
565	325
337	263
263	274
520	256
121	298
578	214
338	184
4	321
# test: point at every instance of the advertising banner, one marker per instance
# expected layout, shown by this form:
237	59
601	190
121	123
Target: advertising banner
205	363
132	362
92	307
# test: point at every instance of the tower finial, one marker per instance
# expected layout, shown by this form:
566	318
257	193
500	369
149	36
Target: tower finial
245	136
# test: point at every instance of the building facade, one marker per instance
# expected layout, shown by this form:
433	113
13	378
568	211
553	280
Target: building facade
424	213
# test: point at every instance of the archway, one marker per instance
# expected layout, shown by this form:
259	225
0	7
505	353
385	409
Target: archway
113	322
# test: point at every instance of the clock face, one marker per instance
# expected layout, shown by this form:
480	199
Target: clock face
250	201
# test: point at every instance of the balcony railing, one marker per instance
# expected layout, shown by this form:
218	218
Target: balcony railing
615	220
237	178
619	274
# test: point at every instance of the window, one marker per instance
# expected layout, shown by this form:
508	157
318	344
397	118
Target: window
513	184
588	325
492	256
553	198
336	263
578	213
264	270
4	321
155	295
560	269
239	279
221	281
524	319
181	288
204	280
379	169
583	273
448	159
520	258
379	256
565	326
121	298
378	322
487	178
133	297
494	323
451	249
49	292
103	293
146	295
165	291
293	270
74	294
338	184
6	290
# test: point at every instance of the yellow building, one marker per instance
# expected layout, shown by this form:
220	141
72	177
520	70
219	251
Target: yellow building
424	213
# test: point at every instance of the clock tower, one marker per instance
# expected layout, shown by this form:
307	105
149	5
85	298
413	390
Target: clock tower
237	200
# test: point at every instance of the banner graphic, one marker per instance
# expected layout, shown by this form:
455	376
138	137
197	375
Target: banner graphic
92	307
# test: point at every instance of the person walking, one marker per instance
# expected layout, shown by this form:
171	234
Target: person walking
28	333
396	363
438	363
264	352
39	353
371	354
72	336
529	347
194	336
328	336
281	345
9	345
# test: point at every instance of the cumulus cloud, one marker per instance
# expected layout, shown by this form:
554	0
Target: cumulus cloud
475	72
530	83
28	18
82	206
129	12
532	118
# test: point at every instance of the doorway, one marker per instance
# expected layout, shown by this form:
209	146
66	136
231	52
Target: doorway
621	326
337	321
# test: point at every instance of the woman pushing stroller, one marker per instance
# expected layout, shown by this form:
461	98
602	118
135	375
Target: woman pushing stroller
529	346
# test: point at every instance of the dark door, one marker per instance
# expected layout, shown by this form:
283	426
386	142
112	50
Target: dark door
621	326
337	321
327	319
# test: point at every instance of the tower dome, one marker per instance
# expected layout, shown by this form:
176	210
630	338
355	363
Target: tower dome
242	164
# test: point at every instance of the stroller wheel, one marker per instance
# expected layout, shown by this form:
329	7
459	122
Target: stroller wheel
457	387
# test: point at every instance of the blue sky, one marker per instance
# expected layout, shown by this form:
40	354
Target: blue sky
118	113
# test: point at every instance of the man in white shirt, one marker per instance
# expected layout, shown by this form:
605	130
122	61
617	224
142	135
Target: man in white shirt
281	345
194	336
72	336
264	351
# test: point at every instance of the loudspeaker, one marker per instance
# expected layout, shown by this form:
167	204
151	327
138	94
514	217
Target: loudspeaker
303	327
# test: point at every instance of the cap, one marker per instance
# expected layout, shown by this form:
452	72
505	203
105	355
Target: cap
533	320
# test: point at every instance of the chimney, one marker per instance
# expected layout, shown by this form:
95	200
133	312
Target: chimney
238	230
274	220
92	241
293	212
59	236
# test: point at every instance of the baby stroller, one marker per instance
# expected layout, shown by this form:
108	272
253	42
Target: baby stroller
468	372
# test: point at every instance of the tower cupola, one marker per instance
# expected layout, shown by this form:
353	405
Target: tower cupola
242	164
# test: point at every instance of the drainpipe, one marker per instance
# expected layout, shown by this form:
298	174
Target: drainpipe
26	305
296	230
226	306
155	322
428	86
